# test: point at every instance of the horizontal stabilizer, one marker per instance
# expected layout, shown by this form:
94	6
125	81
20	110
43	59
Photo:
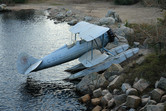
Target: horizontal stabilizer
89	60
27	63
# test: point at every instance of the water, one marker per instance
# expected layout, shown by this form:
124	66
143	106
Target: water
31	32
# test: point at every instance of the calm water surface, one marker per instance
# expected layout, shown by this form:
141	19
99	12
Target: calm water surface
31	32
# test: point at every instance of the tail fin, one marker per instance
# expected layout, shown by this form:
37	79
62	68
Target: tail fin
27	63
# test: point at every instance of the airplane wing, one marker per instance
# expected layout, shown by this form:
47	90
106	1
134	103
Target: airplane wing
88	31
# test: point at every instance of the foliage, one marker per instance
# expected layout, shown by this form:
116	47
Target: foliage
19	1
126	2
12	1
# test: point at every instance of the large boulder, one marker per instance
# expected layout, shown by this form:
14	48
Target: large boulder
91	82
119	99
113	70
162	84
107	21
133	101
155	108
141	85
116	83
156	94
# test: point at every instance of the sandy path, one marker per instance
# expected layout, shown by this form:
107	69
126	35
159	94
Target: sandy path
133	14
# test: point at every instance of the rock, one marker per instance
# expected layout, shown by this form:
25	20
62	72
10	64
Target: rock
123	31
122	39
116	83
156	84
3	7
111	103
85	98
144	101
141	85
136	44
106	98
155	107
87	18
119	99
95	101
113	70
73	22
97	108
110	79
163	99
125	86
111	45
140	60
133	101
60	16
156	94
110	13
97	93
69	13
116	91
151	102
102	82
117	18
107	21
132	109
104	92
131	91
162	84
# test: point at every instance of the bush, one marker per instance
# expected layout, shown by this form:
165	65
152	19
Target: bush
19	1
126	2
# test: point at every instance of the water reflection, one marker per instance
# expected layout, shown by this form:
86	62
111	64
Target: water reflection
30	32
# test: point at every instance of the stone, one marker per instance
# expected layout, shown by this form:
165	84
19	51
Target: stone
117	18
106	98
107	21
95	101
87	18
122	39
162	84
111	103
3	7
110	79
102	82
110	13
97	93
125	86
123	31
60	16
152	102
85	98
116	91
140	60
144	101
97	108
156	94
156	84
141	85
131	91
116	83
69	13
119	99
131	109
136	44
73	22
113	70
163	98
155	107
133	101
104	92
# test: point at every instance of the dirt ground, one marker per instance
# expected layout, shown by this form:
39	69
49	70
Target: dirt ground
133	14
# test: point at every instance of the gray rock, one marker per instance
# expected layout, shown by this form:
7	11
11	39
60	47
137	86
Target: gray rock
107	21
144	101
69	13
162	84
156	94
163	98
111	103
97	108
106	98
95	101
133	101
152	102
155	107
117	18
119	99
116	91
122	39
141	85
102	82
112	70
136	44
2	7
156	84
123	31
140	60
125	86
73	22
131	91
116	83
132	109
60	16
87	18
97	93
104	92
110	79
110	13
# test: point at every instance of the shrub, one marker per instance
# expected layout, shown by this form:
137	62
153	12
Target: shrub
19	1
126	2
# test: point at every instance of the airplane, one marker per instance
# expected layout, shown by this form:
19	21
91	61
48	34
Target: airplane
90	50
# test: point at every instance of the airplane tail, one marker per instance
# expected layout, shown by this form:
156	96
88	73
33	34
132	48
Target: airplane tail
27	63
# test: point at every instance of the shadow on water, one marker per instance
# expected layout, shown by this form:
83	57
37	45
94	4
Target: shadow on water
30	31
